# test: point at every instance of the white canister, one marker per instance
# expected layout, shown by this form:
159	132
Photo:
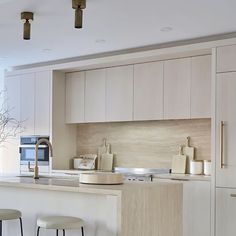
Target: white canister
196	167
77	162
207	167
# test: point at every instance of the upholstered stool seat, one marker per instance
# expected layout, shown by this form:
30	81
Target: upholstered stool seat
60	223
10	214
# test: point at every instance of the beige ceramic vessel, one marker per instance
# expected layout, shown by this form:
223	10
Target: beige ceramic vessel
101	178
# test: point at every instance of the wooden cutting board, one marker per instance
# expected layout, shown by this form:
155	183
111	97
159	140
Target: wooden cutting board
179	163
189	152
101	150
107	160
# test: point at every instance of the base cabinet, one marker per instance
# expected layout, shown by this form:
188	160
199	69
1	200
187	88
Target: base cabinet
196	208
225	212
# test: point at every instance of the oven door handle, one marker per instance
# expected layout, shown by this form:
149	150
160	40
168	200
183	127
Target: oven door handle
33	146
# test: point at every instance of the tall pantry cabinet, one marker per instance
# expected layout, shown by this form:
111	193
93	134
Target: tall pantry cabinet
225	141
29	101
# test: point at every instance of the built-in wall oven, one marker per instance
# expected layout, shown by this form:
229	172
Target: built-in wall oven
27	151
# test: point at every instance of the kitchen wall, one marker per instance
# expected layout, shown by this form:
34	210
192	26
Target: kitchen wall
146	143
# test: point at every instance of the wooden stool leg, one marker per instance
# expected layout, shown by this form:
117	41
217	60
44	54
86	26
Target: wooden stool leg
38	231
82	231
0	228
21	227
64	233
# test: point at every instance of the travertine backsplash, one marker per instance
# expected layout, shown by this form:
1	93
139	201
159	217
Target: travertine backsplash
146	143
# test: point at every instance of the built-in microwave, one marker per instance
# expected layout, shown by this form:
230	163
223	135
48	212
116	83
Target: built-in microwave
27	150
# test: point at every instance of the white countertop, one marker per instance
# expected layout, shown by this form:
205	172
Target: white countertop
183	177
71	184
158	176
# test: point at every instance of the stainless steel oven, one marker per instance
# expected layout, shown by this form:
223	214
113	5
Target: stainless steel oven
27	150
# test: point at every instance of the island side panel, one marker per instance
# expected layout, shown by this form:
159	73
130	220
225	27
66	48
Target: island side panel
152	210
100	212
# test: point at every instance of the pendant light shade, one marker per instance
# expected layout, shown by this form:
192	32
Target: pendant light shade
78	18
27	27
27	17
78	5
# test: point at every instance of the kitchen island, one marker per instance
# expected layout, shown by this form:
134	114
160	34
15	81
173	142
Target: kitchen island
131	209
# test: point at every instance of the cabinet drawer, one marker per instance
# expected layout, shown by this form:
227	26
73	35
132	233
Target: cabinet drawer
226	58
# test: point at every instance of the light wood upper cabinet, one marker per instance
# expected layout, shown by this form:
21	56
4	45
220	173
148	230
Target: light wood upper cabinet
119	94
201	87
75	85
173	89
177	78
13	85
43	82
148	91
226	112
226	58
31	94
27	102
95	96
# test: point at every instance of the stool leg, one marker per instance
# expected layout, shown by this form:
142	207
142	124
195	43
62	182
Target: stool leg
0	228
38	231
57	232
82	231
21	227
64	233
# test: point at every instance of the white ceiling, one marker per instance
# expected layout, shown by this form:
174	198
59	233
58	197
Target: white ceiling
122	24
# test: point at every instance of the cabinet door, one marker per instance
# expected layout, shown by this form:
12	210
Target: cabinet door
119	94
27	101
75	83
42	102
95	96
226	58
177	77
12	85
225	140
201	87
148	91
196	208
9	160
225	212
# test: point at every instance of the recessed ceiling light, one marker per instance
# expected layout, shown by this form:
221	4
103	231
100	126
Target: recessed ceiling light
166	29
46	50
100	41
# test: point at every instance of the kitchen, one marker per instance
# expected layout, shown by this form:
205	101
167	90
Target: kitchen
137	112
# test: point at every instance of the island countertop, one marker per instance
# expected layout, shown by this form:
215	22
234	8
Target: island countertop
73	185
108	210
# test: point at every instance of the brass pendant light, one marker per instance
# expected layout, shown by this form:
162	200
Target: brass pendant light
27	17
78	5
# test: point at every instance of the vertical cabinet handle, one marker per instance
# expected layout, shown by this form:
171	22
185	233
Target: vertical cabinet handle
222	124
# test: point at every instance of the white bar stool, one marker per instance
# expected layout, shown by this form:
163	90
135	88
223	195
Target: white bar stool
10	214
60	223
